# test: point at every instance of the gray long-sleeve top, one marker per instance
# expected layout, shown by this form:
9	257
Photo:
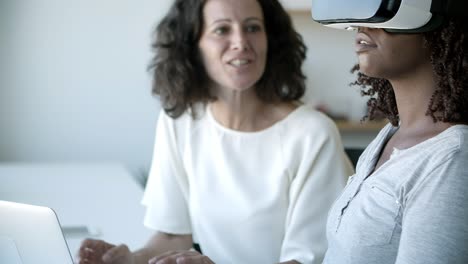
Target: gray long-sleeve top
413	209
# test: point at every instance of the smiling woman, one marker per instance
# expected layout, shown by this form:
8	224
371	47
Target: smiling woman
233	46
180	77
240	166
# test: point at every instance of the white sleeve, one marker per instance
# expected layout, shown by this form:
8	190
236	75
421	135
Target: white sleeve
166	194
320	177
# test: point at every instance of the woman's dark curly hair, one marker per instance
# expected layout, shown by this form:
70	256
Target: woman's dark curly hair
448	47
179	77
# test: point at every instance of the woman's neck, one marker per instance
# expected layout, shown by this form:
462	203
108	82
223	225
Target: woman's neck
244	112
413	95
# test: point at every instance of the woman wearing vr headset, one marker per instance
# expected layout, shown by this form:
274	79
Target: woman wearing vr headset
240	165
407	202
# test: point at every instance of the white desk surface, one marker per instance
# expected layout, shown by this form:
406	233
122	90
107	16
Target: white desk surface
101	197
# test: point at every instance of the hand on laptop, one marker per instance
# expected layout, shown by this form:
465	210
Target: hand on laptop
100	252
186	256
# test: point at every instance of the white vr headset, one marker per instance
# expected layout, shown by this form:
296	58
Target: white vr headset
406	16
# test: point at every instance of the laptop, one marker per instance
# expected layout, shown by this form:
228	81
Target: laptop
31	234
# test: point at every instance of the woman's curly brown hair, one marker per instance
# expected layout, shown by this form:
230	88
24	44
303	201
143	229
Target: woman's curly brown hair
449	57
179	78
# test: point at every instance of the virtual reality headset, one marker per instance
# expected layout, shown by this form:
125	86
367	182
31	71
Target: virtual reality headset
405	16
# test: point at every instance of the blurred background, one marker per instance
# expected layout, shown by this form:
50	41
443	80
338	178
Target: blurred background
74	85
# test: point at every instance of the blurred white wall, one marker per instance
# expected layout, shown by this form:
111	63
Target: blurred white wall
73	84
330	57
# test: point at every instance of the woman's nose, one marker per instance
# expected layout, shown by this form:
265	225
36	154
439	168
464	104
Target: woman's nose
361	29
366	29
239	40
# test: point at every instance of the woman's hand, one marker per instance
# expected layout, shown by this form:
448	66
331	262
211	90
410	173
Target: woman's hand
181	257
100	252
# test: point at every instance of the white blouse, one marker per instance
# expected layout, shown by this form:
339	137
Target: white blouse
247	197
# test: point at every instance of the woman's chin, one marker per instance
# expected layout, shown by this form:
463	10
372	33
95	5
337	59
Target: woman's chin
368	70
242	86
